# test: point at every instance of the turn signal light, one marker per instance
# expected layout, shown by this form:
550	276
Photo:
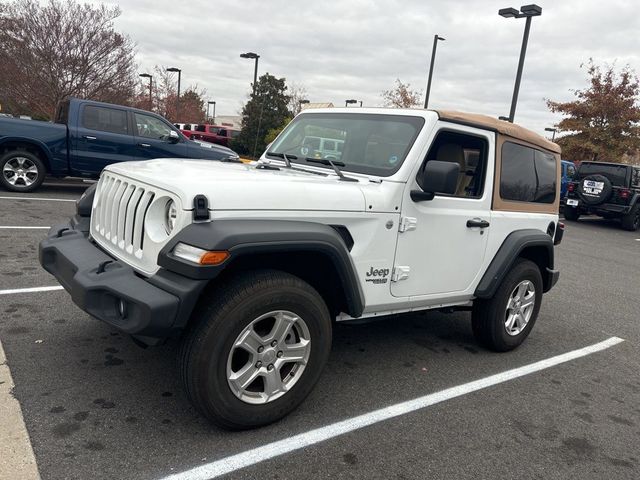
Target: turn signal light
200	256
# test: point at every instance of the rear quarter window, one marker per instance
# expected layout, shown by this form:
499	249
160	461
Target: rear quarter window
527	174
105	119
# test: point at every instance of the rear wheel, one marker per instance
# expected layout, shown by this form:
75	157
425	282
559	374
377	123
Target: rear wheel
571	213
631	221
503	322
257	350
22	171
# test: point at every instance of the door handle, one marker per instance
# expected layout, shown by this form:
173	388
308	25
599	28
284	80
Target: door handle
89	137
145	145
477	222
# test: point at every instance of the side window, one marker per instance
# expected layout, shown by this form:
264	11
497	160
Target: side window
222	132
571	171
527	174
469	152
105	119
200	128
635	178
151	127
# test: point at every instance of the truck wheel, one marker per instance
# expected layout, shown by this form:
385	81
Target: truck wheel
503	322
572	214
256	350
631	221
21	171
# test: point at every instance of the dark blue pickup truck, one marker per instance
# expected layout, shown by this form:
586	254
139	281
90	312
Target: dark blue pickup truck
87	136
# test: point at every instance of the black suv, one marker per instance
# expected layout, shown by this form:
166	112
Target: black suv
611	190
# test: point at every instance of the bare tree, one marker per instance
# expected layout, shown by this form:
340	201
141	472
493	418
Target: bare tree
59	49
401	96
297	92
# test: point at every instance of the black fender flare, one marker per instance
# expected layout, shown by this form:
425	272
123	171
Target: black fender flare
246	237
515	243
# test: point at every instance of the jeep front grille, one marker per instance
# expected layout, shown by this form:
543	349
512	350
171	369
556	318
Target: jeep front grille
120	212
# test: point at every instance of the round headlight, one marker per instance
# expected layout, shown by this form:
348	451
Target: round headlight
170	215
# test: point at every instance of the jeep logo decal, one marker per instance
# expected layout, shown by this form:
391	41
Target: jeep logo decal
377	275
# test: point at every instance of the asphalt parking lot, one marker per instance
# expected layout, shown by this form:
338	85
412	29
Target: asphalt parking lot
97	406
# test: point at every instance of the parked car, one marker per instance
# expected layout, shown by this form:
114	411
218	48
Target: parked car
86	137
220	135
185	128
252	264
610	190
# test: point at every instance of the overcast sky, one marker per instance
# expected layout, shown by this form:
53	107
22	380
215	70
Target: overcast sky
357	48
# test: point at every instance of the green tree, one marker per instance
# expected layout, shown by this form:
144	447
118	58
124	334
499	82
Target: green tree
52	50
603	123
266	110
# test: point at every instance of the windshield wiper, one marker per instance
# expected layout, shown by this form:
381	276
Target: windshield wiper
284	156
334	165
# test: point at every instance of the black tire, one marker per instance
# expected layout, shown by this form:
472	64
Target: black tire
488	316
217	324
631	221
595	196
20	184
571	213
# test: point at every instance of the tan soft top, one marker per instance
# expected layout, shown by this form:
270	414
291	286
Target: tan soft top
505	128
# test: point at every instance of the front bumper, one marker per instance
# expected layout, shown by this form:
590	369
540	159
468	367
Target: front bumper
150	308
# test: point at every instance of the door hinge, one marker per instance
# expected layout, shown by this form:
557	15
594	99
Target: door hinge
400	273
407	223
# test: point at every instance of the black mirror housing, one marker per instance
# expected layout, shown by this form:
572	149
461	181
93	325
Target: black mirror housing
173	137
437	177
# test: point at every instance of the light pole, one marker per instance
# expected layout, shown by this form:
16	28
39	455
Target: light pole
554	130
174	69
433	59
255	70
304	101
214	111
526	11
350	102
150	77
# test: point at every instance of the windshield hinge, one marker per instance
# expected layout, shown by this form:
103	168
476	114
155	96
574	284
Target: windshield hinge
200	208
400	273
407	223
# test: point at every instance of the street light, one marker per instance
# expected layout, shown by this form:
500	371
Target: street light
255	70
150	77
433	58
174	69
526	11
350	102
554	130
214	111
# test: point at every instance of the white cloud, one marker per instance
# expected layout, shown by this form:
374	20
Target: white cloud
356	49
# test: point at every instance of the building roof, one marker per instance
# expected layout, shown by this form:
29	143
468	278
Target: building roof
305	106
505	128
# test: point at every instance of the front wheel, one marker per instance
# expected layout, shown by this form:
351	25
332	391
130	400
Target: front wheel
503	322
256	350
22	171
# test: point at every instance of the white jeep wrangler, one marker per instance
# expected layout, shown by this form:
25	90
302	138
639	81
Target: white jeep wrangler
251	263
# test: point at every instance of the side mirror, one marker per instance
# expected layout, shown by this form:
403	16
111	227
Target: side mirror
173	137
437	177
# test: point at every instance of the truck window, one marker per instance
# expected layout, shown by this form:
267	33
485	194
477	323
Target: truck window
105	119
235	133
469	152
222	132
635	178
200	128
571	171
617	174
151	127
527	174
62	114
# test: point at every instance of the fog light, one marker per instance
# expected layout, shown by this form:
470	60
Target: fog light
122	308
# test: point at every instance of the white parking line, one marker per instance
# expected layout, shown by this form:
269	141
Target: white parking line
297	442
16	454
43	199
30	290
14	227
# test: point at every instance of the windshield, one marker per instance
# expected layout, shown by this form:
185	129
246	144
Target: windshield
617	174
365	143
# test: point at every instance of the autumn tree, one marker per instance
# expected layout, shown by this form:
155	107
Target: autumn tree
58	49
297	92
603	122
266	110
401	96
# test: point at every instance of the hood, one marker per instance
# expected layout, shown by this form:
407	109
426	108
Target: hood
236	186
214	146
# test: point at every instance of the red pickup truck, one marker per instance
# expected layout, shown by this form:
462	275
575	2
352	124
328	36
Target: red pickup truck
222	135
